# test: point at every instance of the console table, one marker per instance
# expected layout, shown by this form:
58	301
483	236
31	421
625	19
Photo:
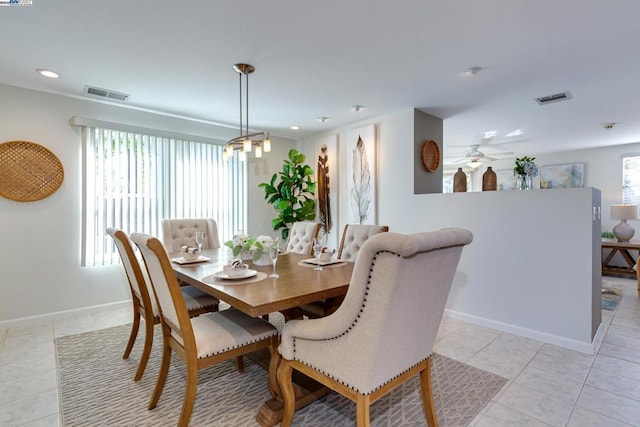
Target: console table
624	249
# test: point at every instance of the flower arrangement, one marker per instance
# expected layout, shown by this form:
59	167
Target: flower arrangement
256	246
525	166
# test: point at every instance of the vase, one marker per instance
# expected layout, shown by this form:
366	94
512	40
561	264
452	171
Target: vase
459	181
264	259
489	180
523	182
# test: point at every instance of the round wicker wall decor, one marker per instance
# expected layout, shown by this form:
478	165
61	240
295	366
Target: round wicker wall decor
28	171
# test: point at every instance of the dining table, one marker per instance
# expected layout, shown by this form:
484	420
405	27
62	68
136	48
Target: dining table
259	295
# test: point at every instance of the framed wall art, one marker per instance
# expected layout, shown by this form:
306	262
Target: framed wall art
361	178
562	176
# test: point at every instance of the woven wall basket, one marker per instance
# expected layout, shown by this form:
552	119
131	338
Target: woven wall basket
28	171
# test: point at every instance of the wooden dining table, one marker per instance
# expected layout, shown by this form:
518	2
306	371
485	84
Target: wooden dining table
298	284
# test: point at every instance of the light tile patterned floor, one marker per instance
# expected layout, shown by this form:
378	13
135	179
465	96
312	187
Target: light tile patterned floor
548	385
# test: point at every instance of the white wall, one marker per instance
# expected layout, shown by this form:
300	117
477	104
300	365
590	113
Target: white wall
527	260
40	241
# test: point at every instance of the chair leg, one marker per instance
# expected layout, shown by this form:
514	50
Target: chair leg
427	395
133	334
286	387
362	411
146	351
162	375
189	393
240	364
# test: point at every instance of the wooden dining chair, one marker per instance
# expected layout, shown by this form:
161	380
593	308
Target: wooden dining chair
176	232
200	341
301	237
144	304
353	237
383	333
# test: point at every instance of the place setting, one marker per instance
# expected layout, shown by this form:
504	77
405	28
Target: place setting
192	254
323	257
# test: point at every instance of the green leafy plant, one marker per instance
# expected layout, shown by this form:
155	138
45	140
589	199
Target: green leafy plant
607	235
525	166
291	192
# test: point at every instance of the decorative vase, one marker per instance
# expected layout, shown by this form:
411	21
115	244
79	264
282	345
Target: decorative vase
264	259
459	181
245	255
523	182
489	180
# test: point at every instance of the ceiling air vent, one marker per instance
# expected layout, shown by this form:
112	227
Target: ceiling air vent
553	98
106	93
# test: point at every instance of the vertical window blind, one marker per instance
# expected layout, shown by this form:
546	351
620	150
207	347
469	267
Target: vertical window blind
132	181
631	180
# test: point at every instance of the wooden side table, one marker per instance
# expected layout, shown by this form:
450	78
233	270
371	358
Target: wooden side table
624	249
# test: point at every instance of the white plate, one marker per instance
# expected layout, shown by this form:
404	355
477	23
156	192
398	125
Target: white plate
181	260
315	262
223	275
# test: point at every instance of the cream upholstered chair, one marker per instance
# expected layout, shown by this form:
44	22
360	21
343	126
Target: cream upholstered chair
144	303
383	333
353	237
301	237
201	341
179	232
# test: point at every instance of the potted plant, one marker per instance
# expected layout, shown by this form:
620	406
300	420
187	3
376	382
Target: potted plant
291	192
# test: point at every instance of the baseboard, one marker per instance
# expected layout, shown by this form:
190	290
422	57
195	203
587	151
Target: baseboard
26	321
583	347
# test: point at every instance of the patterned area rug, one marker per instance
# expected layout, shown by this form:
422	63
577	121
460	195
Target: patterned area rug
97	389
611	296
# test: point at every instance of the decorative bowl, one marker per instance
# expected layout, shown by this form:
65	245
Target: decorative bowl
326	256
190	255
236	268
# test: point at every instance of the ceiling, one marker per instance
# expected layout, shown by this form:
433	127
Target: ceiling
319	59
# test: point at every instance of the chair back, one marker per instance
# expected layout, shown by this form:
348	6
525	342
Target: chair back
354	236
179	232
396	299
173	310
138	281
301	237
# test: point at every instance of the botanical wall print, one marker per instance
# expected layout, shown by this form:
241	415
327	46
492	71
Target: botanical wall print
506	179
362	179
562	176
326	156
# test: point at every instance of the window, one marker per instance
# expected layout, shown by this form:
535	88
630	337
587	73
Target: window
132	180
631	180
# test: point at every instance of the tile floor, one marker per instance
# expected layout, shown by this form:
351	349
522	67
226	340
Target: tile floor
548	385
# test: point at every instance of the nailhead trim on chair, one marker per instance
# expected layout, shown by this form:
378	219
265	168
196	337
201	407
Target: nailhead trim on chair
375	257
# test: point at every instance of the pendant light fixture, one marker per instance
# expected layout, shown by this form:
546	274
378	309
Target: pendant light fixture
246	142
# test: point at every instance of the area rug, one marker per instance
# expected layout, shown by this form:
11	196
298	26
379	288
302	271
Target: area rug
97	389
611	296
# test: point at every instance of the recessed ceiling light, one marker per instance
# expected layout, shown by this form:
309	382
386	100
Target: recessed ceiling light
489	134
609	125
472	71
295	127
47	73
357	107
516	132
323	119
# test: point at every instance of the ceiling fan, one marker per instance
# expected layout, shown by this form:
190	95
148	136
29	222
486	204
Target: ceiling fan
475	155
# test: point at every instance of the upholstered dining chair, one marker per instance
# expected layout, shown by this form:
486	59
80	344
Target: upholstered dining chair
353	237
395	300
301	237
200	341
144	304
178	232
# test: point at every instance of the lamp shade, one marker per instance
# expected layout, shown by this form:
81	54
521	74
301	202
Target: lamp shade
624	212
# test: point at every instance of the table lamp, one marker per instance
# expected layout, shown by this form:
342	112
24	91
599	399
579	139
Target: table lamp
623	231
